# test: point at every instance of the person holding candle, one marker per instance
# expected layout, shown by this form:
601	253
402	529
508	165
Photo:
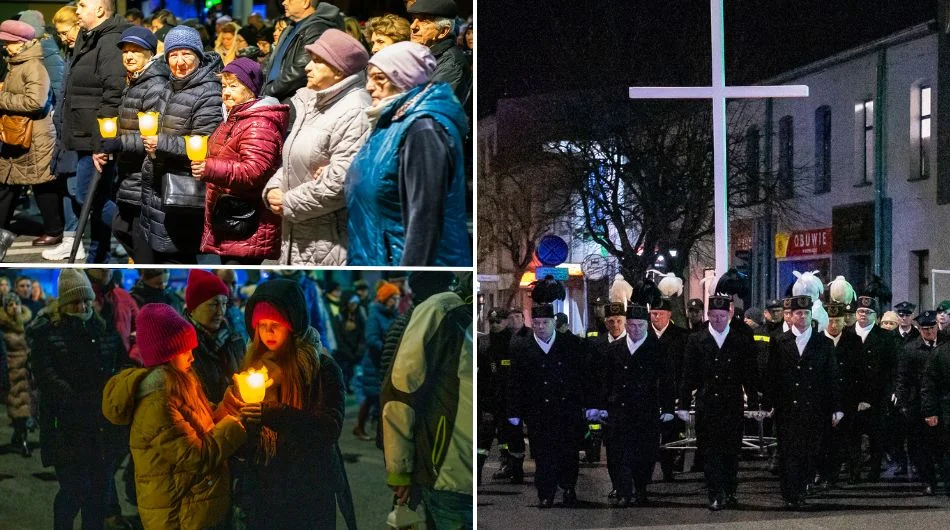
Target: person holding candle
26	94
329	129
296	463
180	442
190	105
405	190
244	152
147	77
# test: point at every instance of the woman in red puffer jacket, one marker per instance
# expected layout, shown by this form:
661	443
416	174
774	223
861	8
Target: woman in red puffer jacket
243	153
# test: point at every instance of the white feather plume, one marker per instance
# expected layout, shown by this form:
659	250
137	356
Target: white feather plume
620	291
841	291
810	284
670	285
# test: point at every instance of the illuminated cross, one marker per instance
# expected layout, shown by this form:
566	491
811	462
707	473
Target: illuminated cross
718	93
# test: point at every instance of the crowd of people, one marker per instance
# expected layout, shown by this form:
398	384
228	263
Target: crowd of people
312	139
106	372
819	373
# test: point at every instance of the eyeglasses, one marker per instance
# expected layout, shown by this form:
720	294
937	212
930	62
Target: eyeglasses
63	34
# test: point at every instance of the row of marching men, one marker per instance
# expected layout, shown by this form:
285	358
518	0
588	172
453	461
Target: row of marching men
825	387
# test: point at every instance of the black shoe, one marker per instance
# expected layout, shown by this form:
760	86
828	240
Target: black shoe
731	501
715	505
612	494
642	500
516	468
901	470
6	241
503	473
570	498
928	491
545	502
622	502
792	505
668	477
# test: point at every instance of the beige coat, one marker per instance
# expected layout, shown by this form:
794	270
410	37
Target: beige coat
21	398
25	93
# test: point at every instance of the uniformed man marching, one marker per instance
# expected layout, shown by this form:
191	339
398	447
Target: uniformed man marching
921	437
803	389
672	339
906	329
546	389
638	396
867	394
718	365
494	365
935	405
615	322
834	444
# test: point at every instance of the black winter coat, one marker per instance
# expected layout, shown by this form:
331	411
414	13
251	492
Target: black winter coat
803	388
494	367
452	67
218	356
556	384
72	360
94	86
64	160
869	369
935	392
143	94
143	294
673	342
719	375
189	106
637	386
910	377
292	75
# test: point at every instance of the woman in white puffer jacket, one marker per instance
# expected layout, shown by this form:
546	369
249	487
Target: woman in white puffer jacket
329	129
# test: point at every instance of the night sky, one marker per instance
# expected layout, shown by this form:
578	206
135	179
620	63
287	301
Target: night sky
534	47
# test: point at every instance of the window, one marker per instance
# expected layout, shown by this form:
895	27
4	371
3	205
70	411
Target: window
925	141
786	170
867	159
822	149
752	157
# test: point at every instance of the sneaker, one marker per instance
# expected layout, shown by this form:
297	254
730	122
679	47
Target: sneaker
61	251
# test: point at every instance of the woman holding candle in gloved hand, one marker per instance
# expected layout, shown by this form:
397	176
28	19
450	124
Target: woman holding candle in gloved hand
180	443
296	468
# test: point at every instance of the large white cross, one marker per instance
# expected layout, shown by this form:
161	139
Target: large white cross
718	93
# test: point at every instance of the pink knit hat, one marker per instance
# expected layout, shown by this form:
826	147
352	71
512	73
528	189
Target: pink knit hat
161	334
340	50
16	31
405	63
266	311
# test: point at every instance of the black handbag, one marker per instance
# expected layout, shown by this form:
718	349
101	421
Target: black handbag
182	192
233	217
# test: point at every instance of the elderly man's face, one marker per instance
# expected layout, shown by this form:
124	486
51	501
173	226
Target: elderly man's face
801	319
719	319
543	328
906	319
636	328
865	316
660	318
835	325
615	325
928	333
425	31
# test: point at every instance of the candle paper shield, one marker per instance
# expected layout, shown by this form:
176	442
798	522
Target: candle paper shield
148	123
196	147
252	384
108	127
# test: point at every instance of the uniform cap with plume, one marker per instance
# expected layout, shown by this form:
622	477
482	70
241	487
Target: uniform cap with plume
731	283
621	291
876	288
670	285
809	284
841	291
647	294
547	290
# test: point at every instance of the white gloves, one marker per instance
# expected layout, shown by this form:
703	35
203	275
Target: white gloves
683	415
836	417
666	417
603	415
514	421
592	414
894	399
862	406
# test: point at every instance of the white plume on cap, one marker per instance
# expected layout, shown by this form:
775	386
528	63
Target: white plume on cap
841	291
620	290
810	284
670	285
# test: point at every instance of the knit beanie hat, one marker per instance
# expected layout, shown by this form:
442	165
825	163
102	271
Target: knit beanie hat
341	51
248	71
183	37
265	311
385	291
161	334
148	274
35	19
201	287
406	64
73	286
140	37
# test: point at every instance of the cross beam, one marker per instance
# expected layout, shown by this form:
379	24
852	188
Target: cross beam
718	92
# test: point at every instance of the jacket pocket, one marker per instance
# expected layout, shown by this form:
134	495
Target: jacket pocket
440	442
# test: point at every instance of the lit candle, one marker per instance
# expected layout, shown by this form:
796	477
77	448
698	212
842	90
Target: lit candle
148	123
252	384
108	127
196	147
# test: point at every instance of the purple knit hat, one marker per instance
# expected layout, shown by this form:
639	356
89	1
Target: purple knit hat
248	72
406	64
161	334
16	31
340	50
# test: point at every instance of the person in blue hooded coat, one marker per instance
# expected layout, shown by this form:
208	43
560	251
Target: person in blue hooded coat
405	189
